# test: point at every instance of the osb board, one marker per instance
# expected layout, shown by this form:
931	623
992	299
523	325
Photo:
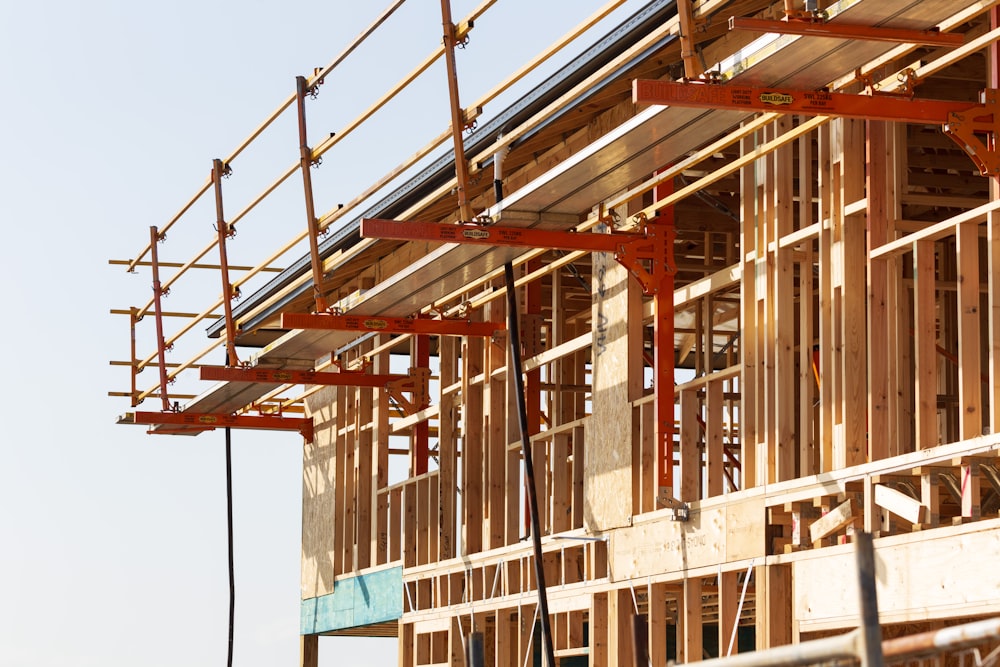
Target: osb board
935	574
608	455
714	535
318	472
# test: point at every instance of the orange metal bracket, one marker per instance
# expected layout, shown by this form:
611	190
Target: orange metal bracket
158	293
379	324
286	376
647	255
816	28
973	126
225	231
417	384
197	422
970	127
305	163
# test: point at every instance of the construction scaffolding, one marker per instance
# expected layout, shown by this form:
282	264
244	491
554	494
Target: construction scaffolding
666	334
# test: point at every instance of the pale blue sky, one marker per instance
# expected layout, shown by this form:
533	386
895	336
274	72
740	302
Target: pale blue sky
113	542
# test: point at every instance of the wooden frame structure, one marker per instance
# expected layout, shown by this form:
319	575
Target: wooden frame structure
835	332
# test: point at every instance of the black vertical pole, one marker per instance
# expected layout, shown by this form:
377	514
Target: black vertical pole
229	524
871	631
474	655
529	470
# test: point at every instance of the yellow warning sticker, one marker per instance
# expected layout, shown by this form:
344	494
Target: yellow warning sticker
776	99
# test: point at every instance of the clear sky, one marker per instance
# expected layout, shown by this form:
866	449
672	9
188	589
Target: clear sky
113	542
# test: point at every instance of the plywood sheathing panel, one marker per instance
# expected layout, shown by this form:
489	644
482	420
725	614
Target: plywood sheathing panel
714	534
318	507
608	462
922	576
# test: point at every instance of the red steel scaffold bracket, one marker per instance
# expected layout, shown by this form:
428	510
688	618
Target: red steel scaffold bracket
647	255
399	325
289	376
193	423
417	384
974	126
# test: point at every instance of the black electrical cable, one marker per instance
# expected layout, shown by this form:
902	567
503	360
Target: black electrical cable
529	468
229	526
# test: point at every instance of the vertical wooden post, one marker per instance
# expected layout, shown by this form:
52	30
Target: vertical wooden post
729	596
690	482
826	299
898	304
773	605
380	457
993	255
657	605
473	463
531	342
503	508
420	353
407	654
878	171
714	457
348	425
925	345
599	654
620	614
309	651
447	445
782	341
969	369
748	321
366	481
993	347
853	400
693	642
808	387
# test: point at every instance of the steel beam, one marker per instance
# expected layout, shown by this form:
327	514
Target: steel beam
400	325
288	376
197	422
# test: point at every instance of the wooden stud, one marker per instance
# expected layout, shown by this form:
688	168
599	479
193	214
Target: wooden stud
782	342
690	477
748	312
620	613
447	446
714	461
878	318
473	497
969	370
692	638
309	650
729	596
925	344
599	653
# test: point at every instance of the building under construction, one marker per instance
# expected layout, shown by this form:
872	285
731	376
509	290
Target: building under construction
647	347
